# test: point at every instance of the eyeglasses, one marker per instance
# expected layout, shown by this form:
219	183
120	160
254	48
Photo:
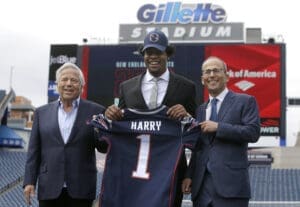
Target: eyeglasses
214	70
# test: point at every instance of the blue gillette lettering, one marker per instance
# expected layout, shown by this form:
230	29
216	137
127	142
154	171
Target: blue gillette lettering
175	12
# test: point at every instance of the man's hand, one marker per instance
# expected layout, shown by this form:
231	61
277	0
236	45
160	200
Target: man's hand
186	185
177	112
29	192
113	113
208	126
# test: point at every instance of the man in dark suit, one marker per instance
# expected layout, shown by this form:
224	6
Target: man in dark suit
61	153
174	91
217	175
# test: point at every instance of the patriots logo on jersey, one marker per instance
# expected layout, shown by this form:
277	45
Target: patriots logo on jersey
100	120
193	124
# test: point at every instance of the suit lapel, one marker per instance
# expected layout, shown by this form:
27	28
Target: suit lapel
80	113
226	104
171	88
201	116
138	91
201	112
53	118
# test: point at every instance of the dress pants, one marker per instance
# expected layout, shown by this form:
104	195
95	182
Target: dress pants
182	165
208	196
64	200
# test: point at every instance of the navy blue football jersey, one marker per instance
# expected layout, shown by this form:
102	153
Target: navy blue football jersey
142	157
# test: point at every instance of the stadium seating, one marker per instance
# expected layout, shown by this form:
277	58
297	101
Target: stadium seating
11	177
280	186
268	185
12	168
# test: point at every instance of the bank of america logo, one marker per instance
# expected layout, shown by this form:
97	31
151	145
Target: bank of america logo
244	85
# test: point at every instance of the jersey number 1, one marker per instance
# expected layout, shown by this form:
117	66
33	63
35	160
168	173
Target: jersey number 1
143	158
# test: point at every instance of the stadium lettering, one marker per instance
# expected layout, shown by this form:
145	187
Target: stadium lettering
146	125
192	32
174	12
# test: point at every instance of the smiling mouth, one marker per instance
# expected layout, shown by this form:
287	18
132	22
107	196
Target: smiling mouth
154	63
213	81
68	91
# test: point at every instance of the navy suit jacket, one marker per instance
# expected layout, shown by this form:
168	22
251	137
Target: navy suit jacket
238	124
180	91
51	162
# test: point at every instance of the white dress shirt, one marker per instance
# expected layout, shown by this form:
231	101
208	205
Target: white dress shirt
220	98
147	84
66	119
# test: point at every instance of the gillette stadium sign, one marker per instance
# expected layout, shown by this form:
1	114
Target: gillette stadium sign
202	22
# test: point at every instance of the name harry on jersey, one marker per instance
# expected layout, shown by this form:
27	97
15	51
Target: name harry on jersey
145	125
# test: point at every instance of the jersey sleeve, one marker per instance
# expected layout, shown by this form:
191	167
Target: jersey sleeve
191	132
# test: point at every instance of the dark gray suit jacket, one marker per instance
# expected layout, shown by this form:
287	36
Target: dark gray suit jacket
239	124
180	91
51	162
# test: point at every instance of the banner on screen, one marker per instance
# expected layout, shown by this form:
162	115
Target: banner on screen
255	69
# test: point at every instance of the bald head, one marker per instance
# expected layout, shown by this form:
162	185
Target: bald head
214	59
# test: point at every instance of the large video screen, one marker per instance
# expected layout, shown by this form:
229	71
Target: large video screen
255	69
108	66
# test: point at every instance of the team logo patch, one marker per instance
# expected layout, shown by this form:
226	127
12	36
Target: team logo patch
154	37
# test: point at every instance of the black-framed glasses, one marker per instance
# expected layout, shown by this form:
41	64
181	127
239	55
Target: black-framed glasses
213	70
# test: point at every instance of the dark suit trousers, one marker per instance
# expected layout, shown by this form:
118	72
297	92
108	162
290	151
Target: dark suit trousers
64	200
209	198
182	165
